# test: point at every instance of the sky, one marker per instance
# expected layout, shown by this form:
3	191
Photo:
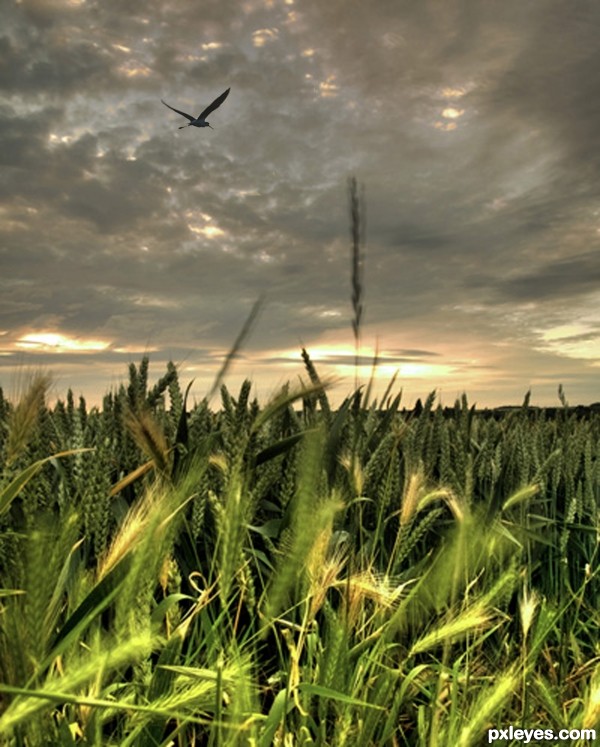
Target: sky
473	128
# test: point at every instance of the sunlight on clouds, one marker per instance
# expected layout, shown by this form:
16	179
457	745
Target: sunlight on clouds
154	302
453	93
328	87
209	232
445	126
287	357
260	37
132	69
136	349
419	370
422	372
245	193
321	352
564	330
130	151
191	57
452	113
11	219
321	312
339	359
576	340
55	139
449	113
330	356
457	92
263	257
57	343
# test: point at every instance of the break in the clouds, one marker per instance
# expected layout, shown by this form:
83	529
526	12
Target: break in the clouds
474	127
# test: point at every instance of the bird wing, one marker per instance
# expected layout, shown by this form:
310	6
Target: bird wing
215	104
183	114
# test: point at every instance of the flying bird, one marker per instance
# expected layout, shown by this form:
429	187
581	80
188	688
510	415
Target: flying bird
200	120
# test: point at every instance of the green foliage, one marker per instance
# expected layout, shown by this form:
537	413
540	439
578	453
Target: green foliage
359	576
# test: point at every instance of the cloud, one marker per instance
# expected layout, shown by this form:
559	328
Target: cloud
554	281
476	140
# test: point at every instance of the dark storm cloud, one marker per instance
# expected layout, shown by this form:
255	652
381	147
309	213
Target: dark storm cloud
23	143
362	360
408	353
51	50
552	82
561	279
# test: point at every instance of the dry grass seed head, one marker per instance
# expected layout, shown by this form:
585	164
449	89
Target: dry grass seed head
591	715
322	567
356	473
130	532
368	586
149	436
527	607
417	496
24	418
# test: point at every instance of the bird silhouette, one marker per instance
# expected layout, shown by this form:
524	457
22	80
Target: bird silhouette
200	120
